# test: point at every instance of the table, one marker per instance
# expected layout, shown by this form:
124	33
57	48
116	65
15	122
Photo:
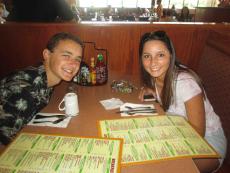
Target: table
85	124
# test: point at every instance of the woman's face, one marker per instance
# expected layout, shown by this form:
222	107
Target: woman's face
64	62
156	58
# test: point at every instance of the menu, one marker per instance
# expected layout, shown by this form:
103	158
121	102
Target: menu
156	138
41	153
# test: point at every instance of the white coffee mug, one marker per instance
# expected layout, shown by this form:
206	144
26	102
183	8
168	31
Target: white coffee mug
70	104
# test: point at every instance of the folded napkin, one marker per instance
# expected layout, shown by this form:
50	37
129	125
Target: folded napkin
112	103
137	109
62	124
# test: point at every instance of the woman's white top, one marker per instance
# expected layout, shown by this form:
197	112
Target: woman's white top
186	88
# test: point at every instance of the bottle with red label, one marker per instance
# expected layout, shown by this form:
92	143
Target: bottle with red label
101	75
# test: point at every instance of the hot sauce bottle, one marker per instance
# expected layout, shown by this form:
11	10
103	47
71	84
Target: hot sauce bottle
100	70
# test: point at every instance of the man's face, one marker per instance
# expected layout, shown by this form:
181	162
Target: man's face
64	61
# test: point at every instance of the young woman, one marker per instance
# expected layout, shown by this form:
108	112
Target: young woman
179	91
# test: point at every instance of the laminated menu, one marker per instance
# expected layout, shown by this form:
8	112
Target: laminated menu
50	154
156	138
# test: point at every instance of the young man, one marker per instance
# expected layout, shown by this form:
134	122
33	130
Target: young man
25	92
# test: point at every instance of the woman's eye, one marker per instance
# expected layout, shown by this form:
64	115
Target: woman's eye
161	55
146	56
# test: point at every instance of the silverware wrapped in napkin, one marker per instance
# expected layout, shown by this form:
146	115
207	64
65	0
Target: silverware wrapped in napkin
50	119
131	109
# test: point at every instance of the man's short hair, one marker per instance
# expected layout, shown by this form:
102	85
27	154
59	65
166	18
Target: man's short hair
55	39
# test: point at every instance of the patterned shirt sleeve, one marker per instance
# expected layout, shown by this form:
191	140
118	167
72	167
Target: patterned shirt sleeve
23	94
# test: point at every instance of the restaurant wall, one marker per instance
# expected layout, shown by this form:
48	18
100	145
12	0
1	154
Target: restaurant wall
22	44
212	14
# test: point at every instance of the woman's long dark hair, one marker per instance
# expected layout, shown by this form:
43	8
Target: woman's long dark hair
167	94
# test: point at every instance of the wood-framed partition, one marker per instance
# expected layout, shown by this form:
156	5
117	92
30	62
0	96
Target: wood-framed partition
21	44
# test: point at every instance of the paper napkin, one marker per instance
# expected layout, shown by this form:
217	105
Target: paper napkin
112	103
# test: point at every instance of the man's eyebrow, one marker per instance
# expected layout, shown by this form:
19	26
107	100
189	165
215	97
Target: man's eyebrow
68	52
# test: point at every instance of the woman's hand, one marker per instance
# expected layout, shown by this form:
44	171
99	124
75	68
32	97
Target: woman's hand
146	91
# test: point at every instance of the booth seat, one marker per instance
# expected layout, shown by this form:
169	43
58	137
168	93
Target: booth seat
214	69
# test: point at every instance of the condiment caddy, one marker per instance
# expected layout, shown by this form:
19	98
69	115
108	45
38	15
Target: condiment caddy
94	71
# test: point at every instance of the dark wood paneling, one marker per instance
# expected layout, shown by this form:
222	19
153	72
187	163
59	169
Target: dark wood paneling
22	44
